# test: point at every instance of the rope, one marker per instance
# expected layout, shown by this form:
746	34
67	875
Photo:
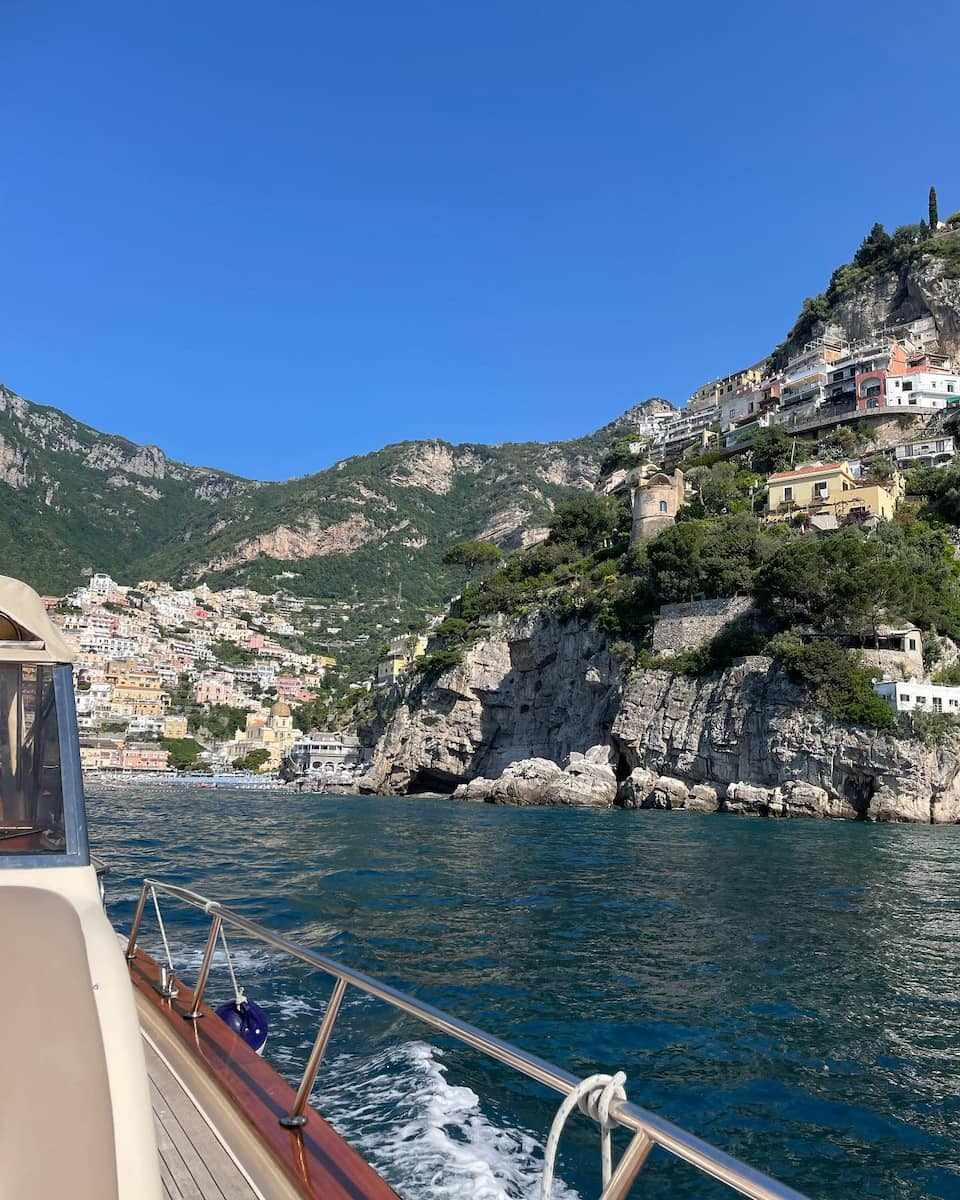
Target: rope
163	932
593	1096
238	995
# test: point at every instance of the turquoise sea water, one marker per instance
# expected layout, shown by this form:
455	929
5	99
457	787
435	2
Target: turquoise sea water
788	990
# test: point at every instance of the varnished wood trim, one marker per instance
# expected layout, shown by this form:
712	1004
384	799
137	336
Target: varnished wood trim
316	1158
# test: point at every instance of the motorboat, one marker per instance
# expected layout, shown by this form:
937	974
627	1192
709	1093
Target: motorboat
118	1080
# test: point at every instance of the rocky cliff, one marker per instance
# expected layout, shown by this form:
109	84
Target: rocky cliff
923	285
540	713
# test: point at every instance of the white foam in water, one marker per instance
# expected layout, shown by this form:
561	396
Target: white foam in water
427	1137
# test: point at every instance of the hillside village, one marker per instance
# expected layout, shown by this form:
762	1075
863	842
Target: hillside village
197	679
833	441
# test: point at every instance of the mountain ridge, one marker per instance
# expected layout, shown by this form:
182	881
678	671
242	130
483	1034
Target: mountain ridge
80	499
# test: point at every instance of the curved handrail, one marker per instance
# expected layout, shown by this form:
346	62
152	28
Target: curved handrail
648	1129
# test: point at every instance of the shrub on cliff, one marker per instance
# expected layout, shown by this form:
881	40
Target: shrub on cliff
591	523
714	558
717	654
432	665
852	581
840	685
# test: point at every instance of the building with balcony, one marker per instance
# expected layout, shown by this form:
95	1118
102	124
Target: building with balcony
718	392
923	452
323	755
830	490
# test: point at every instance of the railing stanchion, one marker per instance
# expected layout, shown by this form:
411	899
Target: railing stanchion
649	1129
135	927
295	1118
627	1169
205	967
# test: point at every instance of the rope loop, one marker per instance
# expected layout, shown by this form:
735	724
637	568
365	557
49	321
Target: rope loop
593	1096
596	1103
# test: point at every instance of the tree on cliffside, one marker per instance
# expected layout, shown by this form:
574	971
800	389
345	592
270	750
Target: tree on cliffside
590	523
934	216
472	554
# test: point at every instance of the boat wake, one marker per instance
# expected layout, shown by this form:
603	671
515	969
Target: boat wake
428	1137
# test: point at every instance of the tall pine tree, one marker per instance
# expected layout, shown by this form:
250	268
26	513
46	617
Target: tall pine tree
932	209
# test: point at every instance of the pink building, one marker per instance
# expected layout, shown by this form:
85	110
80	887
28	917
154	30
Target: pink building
144	758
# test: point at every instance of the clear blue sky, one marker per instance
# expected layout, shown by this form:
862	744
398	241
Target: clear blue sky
267	236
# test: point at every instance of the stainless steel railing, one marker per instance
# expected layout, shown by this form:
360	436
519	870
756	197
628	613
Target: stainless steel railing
648	1130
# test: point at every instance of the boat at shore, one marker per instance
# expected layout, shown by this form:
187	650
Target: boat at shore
162	1095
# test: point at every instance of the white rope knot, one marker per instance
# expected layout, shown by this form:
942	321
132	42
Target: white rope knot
593	1096
596	1103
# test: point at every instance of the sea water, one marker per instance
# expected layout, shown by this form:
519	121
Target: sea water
788	990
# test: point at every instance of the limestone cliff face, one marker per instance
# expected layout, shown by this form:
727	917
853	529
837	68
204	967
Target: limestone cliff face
532	689
923	288
745	741
752	726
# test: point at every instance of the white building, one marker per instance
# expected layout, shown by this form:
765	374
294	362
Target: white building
914	696
325	755
929	452
921	389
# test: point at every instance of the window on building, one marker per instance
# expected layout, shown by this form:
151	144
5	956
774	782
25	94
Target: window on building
663	506
821	489
949	387
937	704
788	493
913	643
907	385
905	698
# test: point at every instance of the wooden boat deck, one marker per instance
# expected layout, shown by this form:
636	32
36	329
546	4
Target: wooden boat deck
217	1108
194	1162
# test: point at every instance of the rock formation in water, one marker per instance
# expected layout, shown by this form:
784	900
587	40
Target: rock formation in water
540	713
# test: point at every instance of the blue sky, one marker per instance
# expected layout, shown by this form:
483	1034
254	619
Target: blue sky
265	237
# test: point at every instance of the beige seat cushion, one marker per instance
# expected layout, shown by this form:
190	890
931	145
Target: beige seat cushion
56	1122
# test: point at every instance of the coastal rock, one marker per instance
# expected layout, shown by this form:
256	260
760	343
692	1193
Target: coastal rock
703	798
636	788
583	784
524	782
747	800
667	793
520	693
745	740
477	790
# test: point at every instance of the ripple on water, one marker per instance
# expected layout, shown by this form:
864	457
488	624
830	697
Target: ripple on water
789	990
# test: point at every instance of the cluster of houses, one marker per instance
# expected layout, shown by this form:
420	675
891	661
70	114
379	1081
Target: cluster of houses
138	647
892	373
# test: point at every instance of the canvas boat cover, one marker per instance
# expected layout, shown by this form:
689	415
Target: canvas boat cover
27	635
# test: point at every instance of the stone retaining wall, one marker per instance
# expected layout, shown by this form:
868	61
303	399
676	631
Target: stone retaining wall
686	626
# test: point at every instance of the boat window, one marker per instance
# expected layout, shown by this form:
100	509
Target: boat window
31	788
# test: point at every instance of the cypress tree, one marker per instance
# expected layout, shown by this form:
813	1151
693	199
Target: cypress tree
932	209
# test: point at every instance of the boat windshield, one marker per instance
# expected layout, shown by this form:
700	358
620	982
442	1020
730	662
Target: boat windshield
31	782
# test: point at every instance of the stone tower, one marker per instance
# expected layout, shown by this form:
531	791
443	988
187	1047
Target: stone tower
655	504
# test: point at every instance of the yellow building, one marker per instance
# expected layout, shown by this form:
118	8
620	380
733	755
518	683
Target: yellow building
174	727
719	390
135	693
272	731
403	651
830	489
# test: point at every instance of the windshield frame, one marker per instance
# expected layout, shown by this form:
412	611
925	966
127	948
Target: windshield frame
77	851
